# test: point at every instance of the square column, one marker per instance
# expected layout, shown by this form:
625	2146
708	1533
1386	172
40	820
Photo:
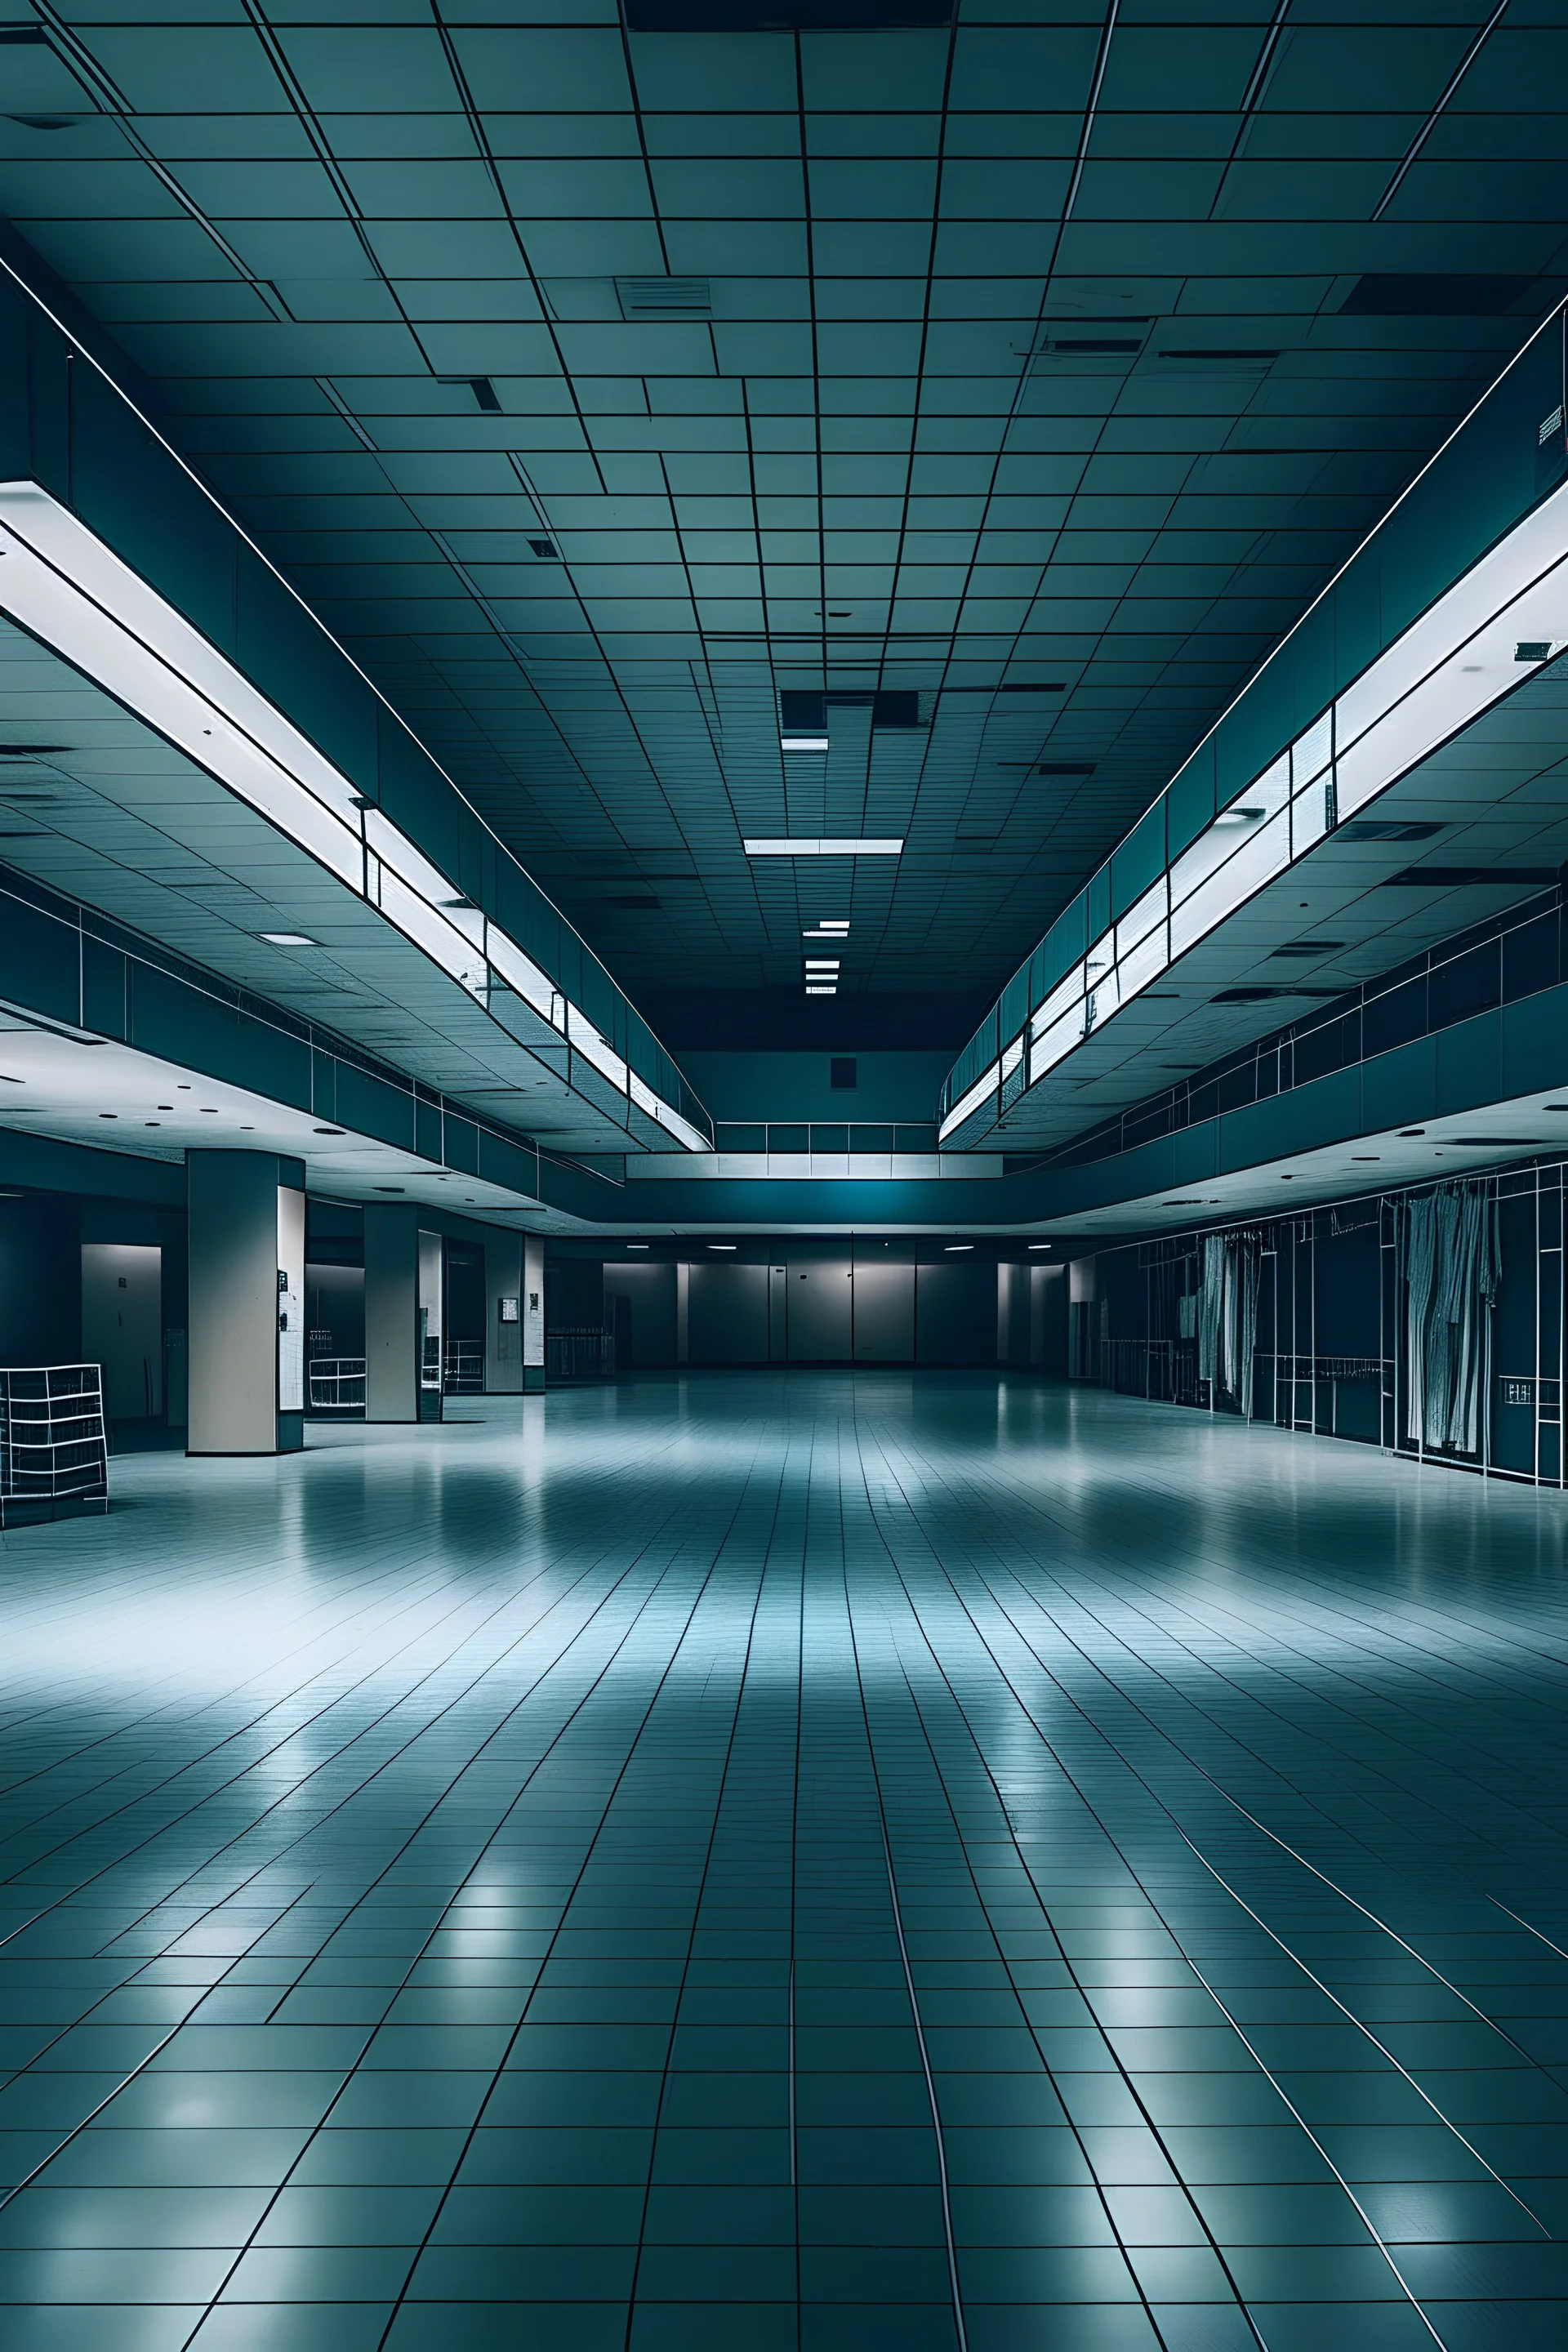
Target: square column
403	1315
246	1312
503	1314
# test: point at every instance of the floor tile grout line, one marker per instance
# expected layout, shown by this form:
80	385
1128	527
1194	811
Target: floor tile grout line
936	2125
689	1631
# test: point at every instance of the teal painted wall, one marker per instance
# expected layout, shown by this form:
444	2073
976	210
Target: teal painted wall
747	1087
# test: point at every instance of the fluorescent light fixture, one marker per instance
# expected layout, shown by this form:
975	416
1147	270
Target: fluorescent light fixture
1039	1246
69	589
823	845
723	1246
637	1246
951	1246
967	1105
822	964
828	931
803	742
816	988
833	922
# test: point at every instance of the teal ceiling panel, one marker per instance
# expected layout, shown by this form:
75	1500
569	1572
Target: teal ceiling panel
1115	456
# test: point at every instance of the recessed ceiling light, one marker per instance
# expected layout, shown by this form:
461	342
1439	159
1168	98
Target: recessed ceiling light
286	938
1036	1245
637	1246
807	844
951	1246
816	987
722	1246
803	742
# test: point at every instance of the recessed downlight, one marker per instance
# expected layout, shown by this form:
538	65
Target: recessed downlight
286	938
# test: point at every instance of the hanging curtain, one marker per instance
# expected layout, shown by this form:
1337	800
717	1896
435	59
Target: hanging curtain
1227	1314
1420	1229
1452	1267
1210	1300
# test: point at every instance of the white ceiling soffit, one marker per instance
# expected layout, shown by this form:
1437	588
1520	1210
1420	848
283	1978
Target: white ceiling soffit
1422	706
1476	1143
69	590
93	1091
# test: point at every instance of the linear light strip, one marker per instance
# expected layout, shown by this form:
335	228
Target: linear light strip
1453	663
69	589
823	845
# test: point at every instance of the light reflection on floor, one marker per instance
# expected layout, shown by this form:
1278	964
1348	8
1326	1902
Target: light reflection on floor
787	1861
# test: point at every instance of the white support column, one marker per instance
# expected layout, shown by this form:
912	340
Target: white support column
247	1313
533	1311
391	1311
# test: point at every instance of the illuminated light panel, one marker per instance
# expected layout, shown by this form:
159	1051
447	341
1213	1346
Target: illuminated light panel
66	587
967	1105
822	845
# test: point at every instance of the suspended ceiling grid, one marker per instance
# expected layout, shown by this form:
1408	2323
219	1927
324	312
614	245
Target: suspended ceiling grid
1017	355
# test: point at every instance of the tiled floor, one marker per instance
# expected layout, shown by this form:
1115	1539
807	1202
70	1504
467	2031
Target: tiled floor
760	1863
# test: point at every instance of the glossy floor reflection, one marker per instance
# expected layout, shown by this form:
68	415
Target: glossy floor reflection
802	1862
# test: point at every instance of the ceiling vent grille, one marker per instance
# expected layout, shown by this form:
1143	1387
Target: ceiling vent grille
1087	346
664	297
1215	359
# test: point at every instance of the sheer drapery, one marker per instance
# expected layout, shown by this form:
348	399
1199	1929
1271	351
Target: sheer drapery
1227	1314
1452	1267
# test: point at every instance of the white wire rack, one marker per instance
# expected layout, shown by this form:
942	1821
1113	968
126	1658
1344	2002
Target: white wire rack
54	1446
337	1385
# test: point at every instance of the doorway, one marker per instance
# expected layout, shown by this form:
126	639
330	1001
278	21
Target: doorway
122	1325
